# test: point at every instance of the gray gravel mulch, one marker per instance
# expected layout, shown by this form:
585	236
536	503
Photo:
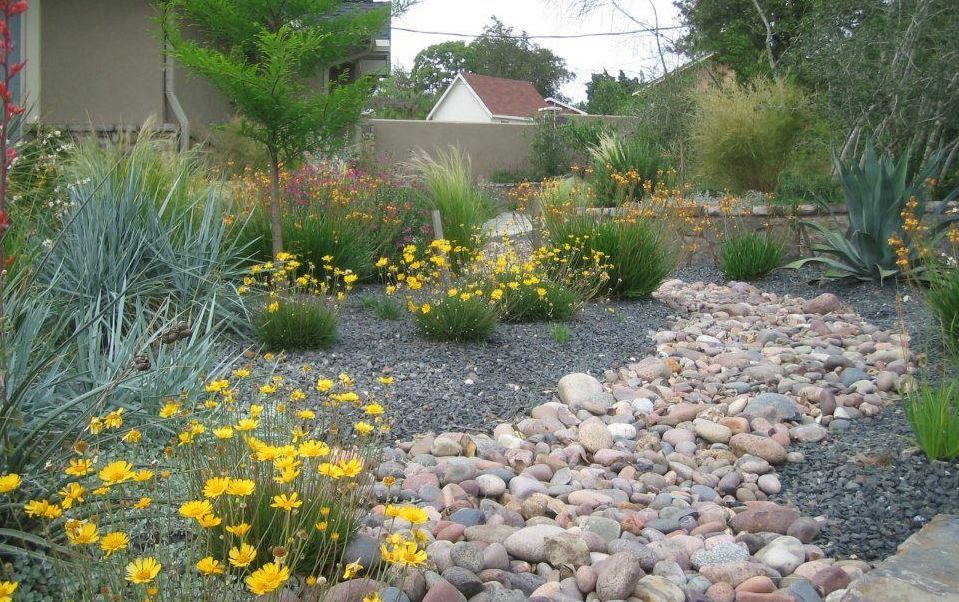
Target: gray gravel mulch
473	386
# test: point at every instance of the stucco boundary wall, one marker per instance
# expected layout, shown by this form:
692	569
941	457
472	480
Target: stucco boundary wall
492	147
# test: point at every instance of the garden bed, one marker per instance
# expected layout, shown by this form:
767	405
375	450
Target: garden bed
472	386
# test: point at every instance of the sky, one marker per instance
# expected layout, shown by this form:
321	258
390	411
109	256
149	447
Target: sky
632	53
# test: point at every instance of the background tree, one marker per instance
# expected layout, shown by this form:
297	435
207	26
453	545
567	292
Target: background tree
502	52
499	51
885	70
750	36
608	95
435	66
396	97
265	57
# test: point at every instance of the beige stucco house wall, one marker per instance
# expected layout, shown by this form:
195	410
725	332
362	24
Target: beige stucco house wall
99	64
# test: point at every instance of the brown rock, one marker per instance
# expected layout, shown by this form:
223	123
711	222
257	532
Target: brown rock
764	447
830	579
764	516
444	591
757	585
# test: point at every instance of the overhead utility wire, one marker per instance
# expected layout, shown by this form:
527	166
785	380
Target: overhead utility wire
652	30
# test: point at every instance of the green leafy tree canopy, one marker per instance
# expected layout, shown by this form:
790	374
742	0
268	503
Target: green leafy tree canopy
608	95
267	57
499	51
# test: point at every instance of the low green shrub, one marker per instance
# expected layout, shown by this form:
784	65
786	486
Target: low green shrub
544	301
462	317
640	253
297	323
797	186
933	414
749	255
561	333
386	308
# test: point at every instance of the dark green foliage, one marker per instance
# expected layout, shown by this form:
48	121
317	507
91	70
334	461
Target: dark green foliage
749	255
457	319
943	297
435	67
734	31
526	304
300	323
933	413
499	51
386	308
641	253
608	95
876	190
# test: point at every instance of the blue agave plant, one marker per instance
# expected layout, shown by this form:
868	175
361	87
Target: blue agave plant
876	190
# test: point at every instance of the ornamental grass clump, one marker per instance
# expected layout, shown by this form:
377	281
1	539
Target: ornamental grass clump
254	487
933	414
448	187
745	254
621	165
466	316
640	254
293	307
749	255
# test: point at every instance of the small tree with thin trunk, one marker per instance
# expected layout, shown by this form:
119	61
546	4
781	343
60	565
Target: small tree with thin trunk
267	57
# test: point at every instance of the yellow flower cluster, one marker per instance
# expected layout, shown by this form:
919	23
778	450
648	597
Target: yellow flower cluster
278	476
287	278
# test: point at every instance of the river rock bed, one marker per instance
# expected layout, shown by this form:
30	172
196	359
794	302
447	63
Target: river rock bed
660	482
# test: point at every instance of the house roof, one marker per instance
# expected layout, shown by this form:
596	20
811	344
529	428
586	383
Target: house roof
565	107
506	97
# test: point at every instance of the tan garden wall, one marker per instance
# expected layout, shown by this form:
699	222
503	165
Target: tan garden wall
492	147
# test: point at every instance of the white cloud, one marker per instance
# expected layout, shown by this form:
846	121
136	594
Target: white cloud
634	54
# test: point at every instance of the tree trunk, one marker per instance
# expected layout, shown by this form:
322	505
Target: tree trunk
276	219
769	36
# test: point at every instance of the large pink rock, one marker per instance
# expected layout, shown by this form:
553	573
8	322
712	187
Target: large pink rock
443	591
681	412
830	579
764	516
823	304
732	573
764	447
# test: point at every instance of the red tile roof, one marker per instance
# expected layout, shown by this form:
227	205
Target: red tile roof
510	97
